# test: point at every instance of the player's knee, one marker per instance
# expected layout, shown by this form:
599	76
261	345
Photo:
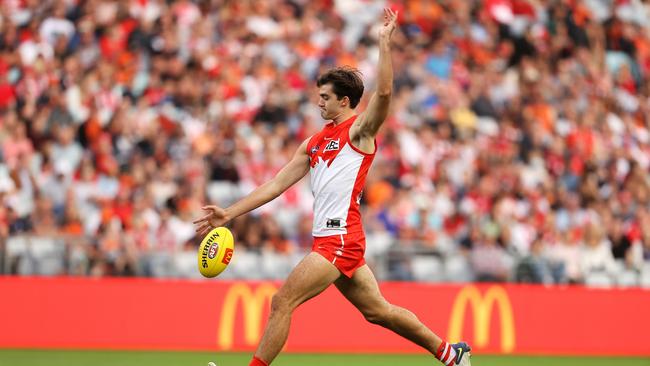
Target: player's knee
280	303
377	315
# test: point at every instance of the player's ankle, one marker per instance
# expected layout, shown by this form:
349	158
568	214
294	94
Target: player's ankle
256	361
446	353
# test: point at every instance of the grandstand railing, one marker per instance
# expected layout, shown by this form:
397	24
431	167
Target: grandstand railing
51	255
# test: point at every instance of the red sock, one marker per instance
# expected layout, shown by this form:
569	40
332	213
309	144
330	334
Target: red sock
257	362
446	354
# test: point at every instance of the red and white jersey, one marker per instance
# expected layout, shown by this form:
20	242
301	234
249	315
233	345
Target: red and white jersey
338	174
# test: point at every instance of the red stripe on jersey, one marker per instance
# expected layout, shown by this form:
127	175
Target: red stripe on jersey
353	220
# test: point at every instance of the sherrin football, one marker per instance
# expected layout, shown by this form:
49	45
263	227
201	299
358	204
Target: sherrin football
215	252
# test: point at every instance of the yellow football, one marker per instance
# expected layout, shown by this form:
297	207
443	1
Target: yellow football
215	252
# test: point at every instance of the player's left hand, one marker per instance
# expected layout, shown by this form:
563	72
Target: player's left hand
390	23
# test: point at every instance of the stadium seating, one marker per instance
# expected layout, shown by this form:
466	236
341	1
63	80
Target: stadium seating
528	131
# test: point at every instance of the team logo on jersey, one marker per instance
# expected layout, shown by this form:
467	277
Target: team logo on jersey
332	145
314	150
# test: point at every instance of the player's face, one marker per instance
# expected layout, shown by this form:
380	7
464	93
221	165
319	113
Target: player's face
329	105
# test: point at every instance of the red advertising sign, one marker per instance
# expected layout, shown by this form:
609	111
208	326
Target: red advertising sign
217	315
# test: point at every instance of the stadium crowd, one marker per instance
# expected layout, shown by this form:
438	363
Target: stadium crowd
518	148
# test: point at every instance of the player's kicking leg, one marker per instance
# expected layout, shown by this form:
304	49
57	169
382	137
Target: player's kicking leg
310	277
363	292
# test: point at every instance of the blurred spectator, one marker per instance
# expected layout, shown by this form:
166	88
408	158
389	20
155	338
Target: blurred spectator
534	268
597	255
490	261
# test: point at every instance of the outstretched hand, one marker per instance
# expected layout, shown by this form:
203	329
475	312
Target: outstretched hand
216	217
390	23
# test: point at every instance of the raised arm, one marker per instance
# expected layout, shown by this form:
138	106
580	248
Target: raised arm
288	176
372	118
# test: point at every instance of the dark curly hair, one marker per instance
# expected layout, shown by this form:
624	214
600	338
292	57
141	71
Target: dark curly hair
346	82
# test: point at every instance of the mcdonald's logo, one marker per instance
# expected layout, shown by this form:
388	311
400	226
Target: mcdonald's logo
252	302
481	306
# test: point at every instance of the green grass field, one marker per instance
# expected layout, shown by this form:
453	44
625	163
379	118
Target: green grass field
125	358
